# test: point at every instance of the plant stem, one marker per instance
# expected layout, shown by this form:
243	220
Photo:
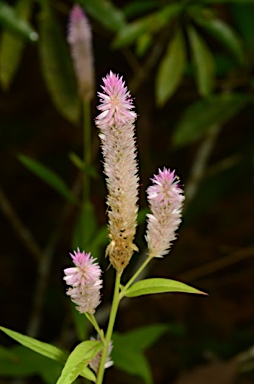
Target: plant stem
111	323
94	323
149	258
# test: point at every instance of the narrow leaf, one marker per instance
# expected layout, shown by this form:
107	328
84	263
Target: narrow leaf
78	360
50	177
203	63
44	349
11	20
12	45
105	12
56	65
200	116
171	69
159	285
224	34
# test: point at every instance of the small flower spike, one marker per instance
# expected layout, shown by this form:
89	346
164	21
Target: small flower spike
85	282
95	363
165	198
80	40
116	124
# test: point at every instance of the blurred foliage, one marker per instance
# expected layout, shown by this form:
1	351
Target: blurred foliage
191	60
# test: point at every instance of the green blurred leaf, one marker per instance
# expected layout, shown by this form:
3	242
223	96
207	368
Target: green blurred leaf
200	116
132	362
158	285
56	65
99	240
25	362
85	227
50	177
151	23
224	34
143	43
203	63
171	69
11	46
45	349
10	19
78	360
90	170
243	21
141	338
136	8
105	12
242	2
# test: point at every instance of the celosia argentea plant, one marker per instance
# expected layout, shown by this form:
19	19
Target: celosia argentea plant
165	197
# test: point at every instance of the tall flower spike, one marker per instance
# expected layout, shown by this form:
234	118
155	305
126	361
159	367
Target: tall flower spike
85	282
80	40
165	199
116	124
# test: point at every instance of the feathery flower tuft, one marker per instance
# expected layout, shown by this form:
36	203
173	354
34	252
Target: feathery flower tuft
80	40
95	363
116	124
165	199
85	281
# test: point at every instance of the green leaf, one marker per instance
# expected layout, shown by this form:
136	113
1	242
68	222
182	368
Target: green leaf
85	227
224	34
11	46
151	23
56	65
78	360
200	116
159	285
11	20
141	338
50	177
44	349
132	362
171	69
79	163
25	362
203	63
242	18
105	12
135	8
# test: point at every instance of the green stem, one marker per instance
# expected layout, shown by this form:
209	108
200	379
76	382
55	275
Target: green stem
94	323
124	289
111	323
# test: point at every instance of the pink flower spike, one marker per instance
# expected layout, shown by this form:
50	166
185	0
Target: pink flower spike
165	199
85	282
116	124
80	40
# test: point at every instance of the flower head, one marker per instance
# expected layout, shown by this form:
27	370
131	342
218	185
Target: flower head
95	363
165	199
116	124
80	40
85	282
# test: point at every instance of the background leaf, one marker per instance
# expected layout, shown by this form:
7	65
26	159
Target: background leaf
11	20
12	45
50	177
171	68
105	12
200	116
158	285
224	34
56	65
203	63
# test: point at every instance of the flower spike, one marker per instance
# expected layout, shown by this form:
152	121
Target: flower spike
116	124
85	282
165	199
80	40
